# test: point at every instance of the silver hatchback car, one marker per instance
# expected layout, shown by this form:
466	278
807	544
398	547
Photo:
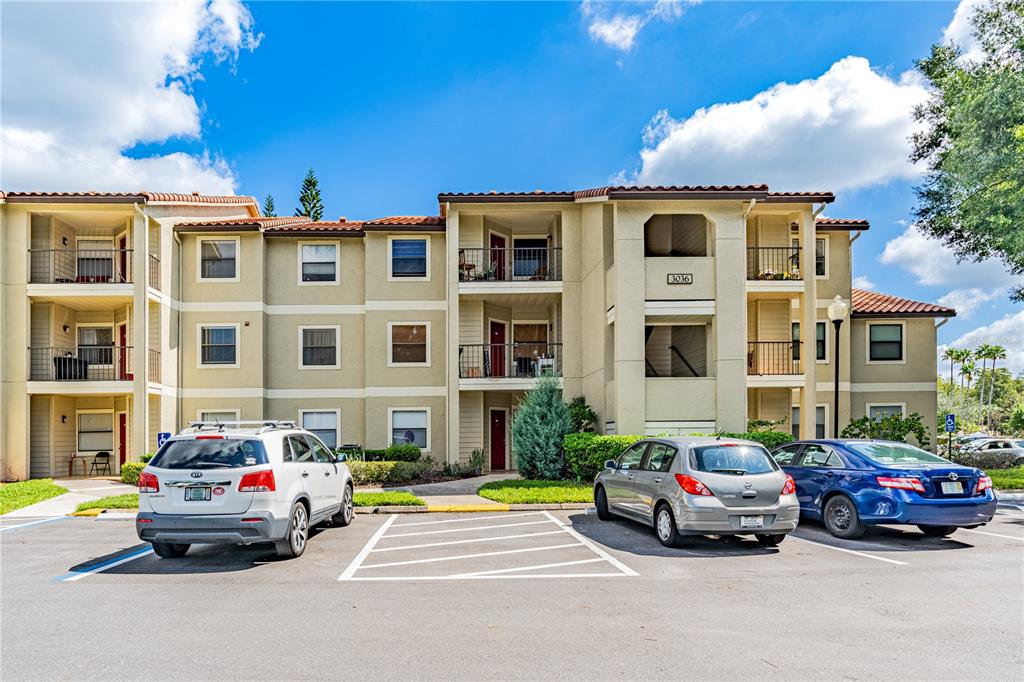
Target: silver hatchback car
699	486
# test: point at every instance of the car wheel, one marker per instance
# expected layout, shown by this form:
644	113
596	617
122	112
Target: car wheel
601	502
665	527
345	514
841	518
167	550
937	531
769	540
293	544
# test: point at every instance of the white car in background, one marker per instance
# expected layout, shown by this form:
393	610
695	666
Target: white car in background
232	483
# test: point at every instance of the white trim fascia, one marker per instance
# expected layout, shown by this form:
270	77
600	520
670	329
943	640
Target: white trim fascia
220	392
300	393
793	286
199	260
407	305
694	307
515	287
337	345
822	386
312	309
499	384
900	404
337	263
392	239
79	387
895	386
73	290
610	315
775	380
218	306
826	302
268	309
406	391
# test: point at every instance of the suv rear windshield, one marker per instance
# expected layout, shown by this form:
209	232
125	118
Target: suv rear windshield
733	459
895	453
215	453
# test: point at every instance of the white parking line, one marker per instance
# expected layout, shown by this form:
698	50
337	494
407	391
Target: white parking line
527	576
469	520
995	535
466	542
849	551
471	556
367	548
520	569
597	550
463	530
32	523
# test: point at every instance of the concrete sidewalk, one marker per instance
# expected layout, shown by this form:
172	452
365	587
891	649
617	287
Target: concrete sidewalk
461	492
79	490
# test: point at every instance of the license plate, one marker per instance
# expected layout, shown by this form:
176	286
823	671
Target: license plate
952	488
197	494
751	522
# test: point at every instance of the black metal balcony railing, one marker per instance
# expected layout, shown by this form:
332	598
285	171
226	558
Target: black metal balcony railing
154	272
509	360
82	266
510	265
154	366
80	363
773	262
773	357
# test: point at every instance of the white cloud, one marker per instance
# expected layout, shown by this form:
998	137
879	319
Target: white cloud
862	282
960	31
95	79
847	128
967	301
619	29
934	264
1008	331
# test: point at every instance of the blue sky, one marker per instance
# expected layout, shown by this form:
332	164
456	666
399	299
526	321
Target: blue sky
393	102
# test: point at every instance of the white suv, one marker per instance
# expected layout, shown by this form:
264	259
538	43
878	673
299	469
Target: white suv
225	483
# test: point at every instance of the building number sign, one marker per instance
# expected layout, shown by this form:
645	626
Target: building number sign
680	278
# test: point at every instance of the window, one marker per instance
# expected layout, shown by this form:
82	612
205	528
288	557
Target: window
219	417
631	458
409	343
879	412
530	258
318	263
660	458
95	345
96	431
819	456
217	259
409	258
319	347
320	453
819	341
301	452
735	460
885	343
218	345
820	262
785	455
819	422
227	453
409	427
322	424
95	260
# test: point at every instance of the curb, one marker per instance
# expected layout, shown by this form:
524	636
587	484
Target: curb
87	512
466	508
1010	495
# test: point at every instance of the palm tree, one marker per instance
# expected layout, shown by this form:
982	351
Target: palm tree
983	353
951	355
967	369
996	352
963	355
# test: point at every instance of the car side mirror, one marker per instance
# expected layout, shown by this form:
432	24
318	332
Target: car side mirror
340	457
610	464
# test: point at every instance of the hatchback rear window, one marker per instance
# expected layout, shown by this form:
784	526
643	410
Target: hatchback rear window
733	459
215	453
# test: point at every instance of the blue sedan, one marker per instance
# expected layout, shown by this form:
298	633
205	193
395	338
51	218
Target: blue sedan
849	484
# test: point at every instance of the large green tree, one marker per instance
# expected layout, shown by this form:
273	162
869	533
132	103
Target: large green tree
310	204
538	429
269	209
972	197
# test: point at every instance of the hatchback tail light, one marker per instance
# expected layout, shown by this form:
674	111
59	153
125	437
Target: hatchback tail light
901	483
984	483
258	482
148	483
693	486
789	487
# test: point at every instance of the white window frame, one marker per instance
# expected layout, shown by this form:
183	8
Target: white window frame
814	256
100	325
337	263
391	429
238	259
337	345
902	406
337	422
391	355
236	412
417	237
867	342
113	431
199	345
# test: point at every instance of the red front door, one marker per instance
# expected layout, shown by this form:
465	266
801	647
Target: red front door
498	440
497	349
122	353
122	437
122	260
499	257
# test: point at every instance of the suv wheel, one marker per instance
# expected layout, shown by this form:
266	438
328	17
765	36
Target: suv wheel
293	544
841	518
345	514
167	550
601	502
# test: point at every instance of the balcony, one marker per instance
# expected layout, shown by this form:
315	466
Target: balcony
518	361
86	366
773	263
774	363
154	366
80	266
154	272
510	265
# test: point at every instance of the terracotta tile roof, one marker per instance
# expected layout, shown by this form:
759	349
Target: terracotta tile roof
317	226
841	224
800	197
874	304
492	196
197	198
407	220
254	223
648	190
133	197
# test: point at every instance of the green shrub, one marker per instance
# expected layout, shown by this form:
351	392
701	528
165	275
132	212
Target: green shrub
893	427
540	424
581	415
373	455
146	457
586	453
389	473
988	459
402	453
769	439
130	472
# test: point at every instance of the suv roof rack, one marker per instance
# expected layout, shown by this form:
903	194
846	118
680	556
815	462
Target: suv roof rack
261	425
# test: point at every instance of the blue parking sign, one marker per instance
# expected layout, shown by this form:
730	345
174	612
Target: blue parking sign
162	437
950	423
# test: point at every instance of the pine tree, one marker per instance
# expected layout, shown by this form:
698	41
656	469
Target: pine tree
310	204
269	210
538	429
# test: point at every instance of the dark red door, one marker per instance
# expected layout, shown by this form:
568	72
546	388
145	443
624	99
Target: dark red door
497	440
499	257
122	260
122	437
497	349
122	353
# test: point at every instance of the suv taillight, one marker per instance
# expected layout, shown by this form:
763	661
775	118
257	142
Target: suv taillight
258	482
901	483
790	486
148	483
984	483
693	486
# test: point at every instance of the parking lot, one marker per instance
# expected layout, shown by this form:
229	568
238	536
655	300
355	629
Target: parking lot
512	595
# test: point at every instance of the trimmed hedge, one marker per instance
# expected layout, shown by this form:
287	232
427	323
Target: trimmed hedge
769	439
130	472
388	473
988	459
402	453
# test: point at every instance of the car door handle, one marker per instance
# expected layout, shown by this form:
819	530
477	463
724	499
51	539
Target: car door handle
829	474
327	473
658	479
305	474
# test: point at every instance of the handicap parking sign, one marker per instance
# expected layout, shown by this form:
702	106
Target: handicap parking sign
162	437
950	423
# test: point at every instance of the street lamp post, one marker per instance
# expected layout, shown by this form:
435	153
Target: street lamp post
837	310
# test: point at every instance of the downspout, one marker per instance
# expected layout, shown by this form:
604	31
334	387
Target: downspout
753	203
177	355
856	236
818	211
942	322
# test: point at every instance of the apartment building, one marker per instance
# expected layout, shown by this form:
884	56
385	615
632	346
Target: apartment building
670	309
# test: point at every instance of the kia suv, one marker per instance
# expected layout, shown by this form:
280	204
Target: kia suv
241	483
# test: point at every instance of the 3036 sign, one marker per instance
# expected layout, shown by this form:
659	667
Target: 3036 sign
680	278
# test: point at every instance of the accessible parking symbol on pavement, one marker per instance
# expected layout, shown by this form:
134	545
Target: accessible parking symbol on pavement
481	547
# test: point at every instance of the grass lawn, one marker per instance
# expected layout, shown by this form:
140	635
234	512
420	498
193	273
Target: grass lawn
400	499
536	492
129	501
17	495
1006	479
